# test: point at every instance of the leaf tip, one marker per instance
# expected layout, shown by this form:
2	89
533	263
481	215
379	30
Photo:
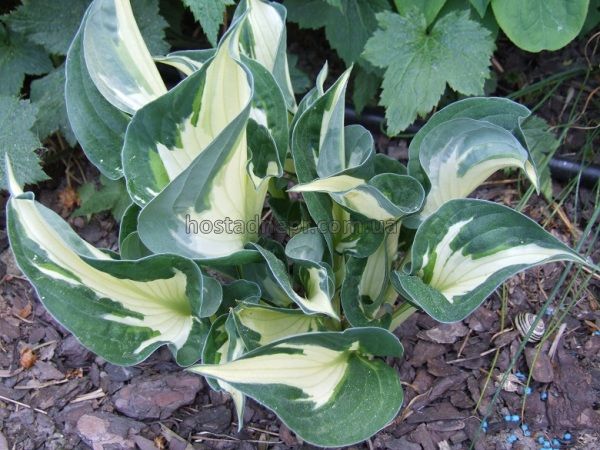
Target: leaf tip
13	186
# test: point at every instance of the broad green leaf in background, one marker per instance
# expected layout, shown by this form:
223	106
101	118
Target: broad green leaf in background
121	310
18	57
151	24
210	14
466	249
480	6
300	80
48	95
111	196
419	63
347	28
117	58
18	141
536	25
98	125
308	379
365	88
593	18
430	8
51	24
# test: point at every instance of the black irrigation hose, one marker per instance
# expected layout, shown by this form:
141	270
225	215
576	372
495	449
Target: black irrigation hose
564	170
560	168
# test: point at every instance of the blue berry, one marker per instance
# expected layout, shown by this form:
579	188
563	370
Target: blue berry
515	418
512	438
507	418
597	333
567	437
541	439
549	311
543	395
520	375
527	390
526	433
555	442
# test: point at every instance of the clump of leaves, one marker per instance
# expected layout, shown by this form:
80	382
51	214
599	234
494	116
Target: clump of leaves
302	324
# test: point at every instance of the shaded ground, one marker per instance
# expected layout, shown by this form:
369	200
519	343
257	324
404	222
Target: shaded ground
56	395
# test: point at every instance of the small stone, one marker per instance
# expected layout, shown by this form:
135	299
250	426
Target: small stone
74	354
158	396
447	333
103	430
3	442
45	371
541	370
120	373
401	444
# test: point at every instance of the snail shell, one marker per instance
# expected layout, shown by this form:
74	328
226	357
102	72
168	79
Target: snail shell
523	323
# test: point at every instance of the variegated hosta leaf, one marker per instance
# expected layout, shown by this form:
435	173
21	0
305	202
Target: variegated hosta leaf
117	58
319	145
264	40
325	386
211	208
316	278
121	310
186	61
259	273
460	154
236	292
366	287
259	325
97	124
223	344
386	197
499	111
463	251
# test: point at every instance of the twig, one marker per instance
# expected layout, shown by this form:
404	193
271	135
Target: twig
481	355
497	182
262	431
554	345
464	343
23	319
41	385
98	393
10	400
43	344
501	332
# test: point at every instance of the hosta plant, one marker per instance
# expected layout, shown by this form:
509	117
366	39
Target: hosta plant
300	320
